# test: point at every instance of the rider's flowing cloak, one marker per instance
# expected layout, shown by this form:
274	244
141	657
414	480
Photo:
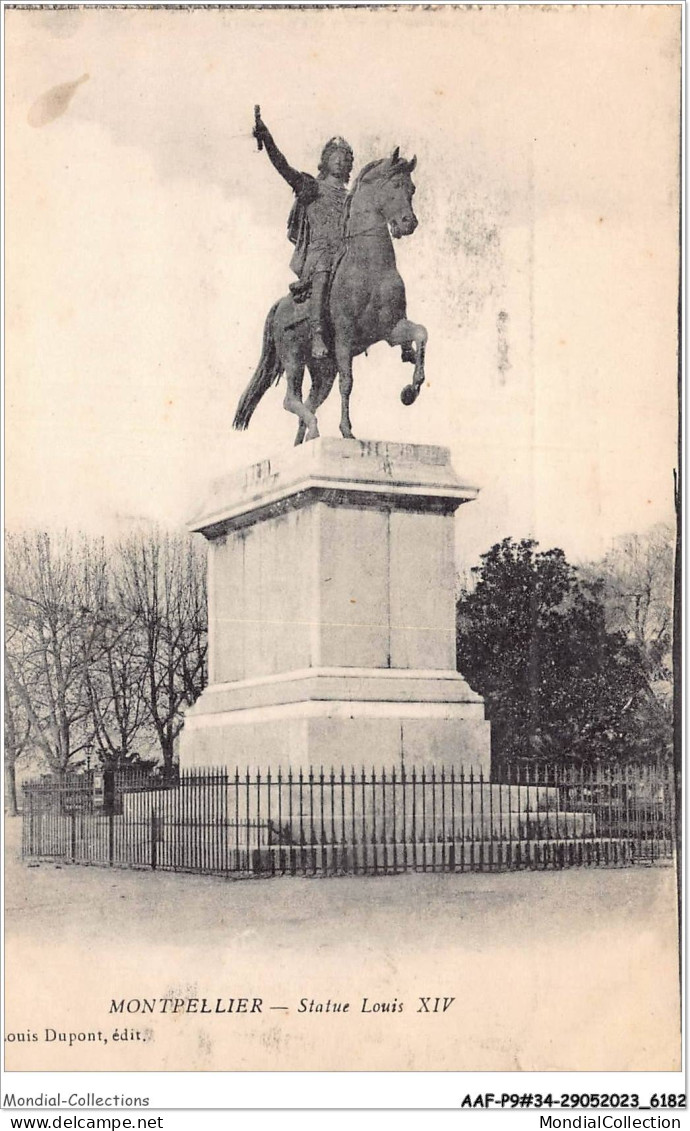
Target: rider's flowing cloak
298	222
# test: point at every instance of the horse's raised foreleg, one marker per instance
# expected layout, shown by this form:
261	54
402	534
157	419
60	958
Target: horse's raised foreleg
343	358
322	378
294	372
406	334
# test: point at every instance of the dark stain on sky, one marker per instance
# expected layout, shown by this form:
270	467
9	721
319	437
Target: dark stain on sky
53	103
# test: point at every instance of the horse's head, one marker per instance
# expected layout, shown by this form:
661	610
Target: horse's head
395	195
392	181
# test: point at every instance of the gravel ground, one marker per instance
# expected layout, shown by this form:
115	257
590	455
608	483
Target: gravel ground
549	971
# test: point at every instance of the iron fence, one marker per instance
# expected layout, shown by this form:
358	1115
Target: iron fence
354	821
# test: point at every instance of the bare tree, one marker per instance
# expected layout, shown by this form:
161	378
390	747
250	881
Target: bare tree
114	674
17	734
162	587
104	646
53	584
638	593
637	576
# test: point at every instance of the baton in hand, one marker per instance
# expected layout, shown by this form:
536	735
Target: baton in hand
257	119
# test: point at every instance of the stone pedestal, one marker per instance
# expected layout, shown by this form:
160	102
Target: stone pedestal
332	616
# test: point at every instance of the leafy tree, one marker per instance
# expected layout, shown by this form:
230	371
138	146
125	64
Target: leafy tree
533	640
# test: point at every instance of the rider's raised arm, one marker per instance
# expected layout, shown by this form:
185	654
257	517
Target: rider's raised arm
292	176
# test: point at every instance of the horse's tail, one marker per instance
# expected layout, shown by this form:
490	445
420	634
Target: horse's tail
267	373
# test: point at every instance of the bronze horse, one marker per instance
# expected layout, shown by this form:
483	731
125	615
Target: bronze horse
367	305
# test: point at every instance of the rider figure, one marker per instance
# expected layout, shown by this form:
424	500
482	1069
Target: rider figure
315	224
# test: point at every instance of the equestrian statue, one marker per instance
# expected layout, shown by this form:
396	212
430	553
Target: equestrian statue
348	294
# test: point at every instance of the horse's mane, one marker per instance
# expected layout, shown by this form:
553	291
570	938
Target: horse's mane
359	179
365	171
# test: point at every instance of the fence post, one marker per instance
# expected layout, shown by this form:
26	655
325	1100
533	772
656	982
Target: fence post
111	837
29	800
154	839
73	836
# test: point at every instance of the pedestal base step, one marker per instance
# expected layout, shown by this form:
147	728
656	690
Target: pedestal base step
331	735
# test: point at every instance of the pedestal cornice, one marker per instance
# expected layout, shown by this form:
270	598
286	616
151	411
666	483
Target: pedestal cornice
360	473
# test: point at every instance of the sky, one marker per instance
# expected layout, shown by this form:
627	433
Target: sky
145	243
